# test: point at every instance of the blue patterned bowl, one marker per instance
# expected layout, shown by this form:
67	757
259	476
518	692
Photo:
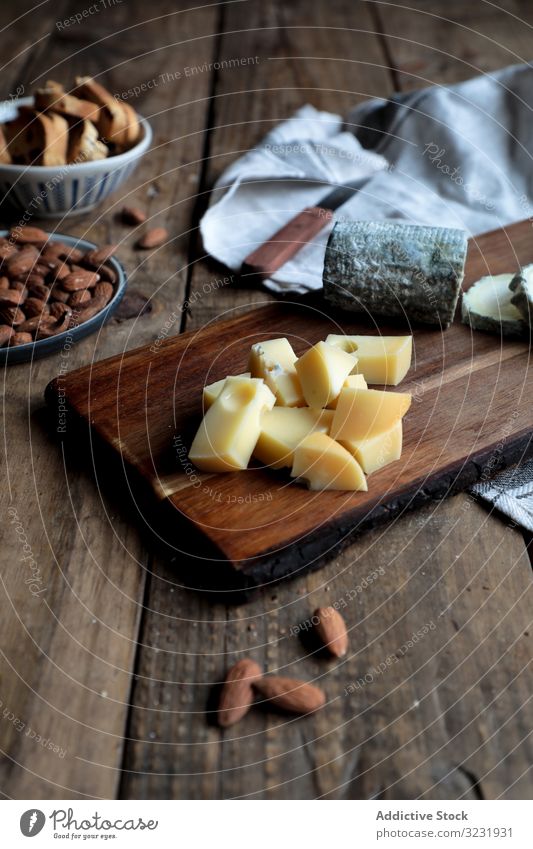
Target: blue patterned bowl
43	192
64	341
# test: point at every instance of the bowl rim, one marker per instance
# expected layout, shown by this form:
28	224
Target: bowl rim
41	344
69	169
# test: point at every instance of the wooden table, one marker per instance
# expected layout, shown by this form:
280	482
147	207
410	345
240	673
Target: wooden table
107	673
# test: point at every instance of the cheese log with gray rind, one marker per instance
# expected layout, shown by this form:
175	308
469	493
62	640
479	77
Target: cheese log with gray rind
522	288
390	269
487	306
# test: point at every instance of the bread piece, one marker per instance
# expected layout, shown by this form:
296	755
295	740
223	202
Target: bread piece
24	136
119	126
84	144
37	139
88	89
133	129
118	123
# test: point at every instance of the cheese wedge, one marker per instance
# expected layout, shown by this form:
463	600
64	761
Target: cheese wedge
322	371
324	464
282	430
376	451
355	381
230	429
381	359
363	413
487	305
273	361
211	392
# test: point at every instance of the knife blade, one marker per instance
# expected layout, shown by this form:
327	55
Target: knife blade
291	238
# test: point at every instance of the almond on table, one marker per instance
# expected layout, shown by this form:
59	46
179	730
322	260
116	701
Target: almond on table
237	694
153	238
133	215
331	629
291	694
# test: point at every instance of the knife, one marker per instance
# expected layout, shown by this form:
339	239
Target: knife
289	239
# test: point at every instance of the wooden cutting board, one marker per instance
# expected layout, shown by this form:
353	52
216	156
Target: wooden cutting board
471	414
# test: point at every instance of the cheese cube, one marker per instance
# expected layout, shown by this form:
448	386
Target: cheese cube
322	371
381	359
355	381
376	451
230	429
273	360
282	430
211	392
363	413
325	464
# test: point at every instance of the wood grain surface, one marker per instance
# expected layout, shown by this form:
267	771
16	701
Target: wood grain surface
119	662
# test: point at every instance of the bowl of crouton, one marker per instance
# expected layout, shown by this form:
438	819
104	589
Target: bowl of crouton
65	150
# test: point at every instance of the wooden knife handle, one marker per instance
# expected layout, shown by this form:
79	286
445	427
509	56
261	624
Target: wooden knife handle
284	244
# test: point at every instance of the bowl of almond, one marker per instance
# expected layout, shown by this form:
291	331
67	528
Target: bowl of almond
64	151
54	290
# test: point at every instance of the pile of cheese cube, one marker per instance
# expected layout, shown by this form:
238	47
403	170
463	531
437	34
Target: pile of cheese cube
314	415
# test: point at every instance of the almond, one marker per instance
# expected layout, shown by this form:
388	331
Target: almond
97	258
133	215
290	694
61	295
39	290
107	274
153	238
331	629
6	333
237	693
35	306
7	251
103	291
31	324
77	299
12	316
19	264
80	280
20	339
11	297
61	271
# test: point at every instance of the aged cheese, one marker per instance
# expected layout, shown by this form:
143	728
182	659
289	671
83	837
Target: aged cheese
212	391
324	464
282	430
230	429
364	413
487	306
273	360
521	287
391	269
322	371
355	381
381	359
377	451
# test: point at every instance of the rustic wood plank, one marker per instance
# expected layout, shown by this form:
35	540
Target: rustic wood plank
68	655
393	582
